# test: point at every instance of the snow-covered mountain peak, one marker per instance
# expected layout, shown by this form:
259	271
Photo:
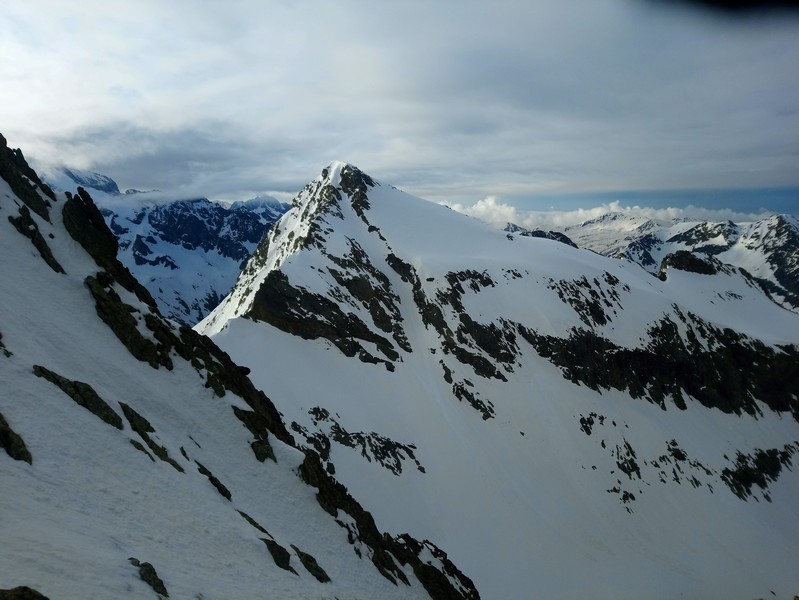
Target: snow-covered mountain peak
337	181
263	205
137	460
332	172
619	221
65	179
609	412
768	249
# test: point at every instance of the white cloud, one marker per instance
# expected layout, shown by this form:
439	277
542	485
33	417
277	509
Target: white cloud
507	97
498	213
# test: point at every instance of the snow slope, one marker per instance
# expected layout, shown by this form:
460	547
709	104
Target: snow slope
565	424
130	448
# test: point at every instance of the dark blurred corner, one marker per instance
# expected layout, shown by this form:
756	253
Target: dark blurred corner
740	8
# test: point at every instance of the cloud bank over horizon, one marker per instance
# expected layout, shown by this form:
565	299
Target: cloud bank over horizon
495	212
449	101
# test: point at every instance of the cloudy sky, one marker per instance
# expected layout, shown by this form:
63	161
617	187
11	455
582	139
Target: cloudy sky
461	101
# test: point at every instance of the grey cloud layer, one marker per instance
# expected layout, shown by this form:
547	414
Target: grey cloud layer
445	99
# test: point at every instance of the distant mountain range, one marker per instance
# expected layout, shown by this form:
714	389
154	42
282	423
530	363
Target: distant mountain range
187	252
768	249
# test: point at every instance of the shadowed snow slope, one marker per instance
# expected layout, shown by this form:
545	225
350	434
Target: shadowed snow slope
565	424
134	453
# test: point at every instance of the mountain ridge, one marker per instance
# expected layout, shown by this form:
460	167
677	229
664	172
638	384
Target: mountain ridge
187	252
136	453
768	249
578	389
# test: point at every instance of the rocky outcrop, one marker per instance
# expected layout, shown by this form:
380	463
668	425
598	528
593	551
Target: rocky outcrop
5	351
25	224
310	316
310	564
149	575
12	442
223	491
760	469
22	593
682	260
280	555
386	452
83	394
555	236
24	181
143	427
729	377
83	221
332	496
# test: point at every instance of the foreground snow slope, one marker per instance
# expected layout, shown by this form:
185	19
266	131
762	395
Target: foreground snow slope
136	454
565	424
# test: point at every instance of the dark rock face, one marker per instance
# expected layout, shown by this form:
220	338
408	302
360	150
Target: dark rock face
356	184
333	496
123	320
21	593
640	250
540	233
372	289
310	316
280	555
149	575
142	426
223	491
594	301
781	246
760	468
310	564
12	442
386	452
446	581
702	237
24	181
462	343
83	221
83	394
25	224
683	260
27	186
199	224
7	353
728	378
259	426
